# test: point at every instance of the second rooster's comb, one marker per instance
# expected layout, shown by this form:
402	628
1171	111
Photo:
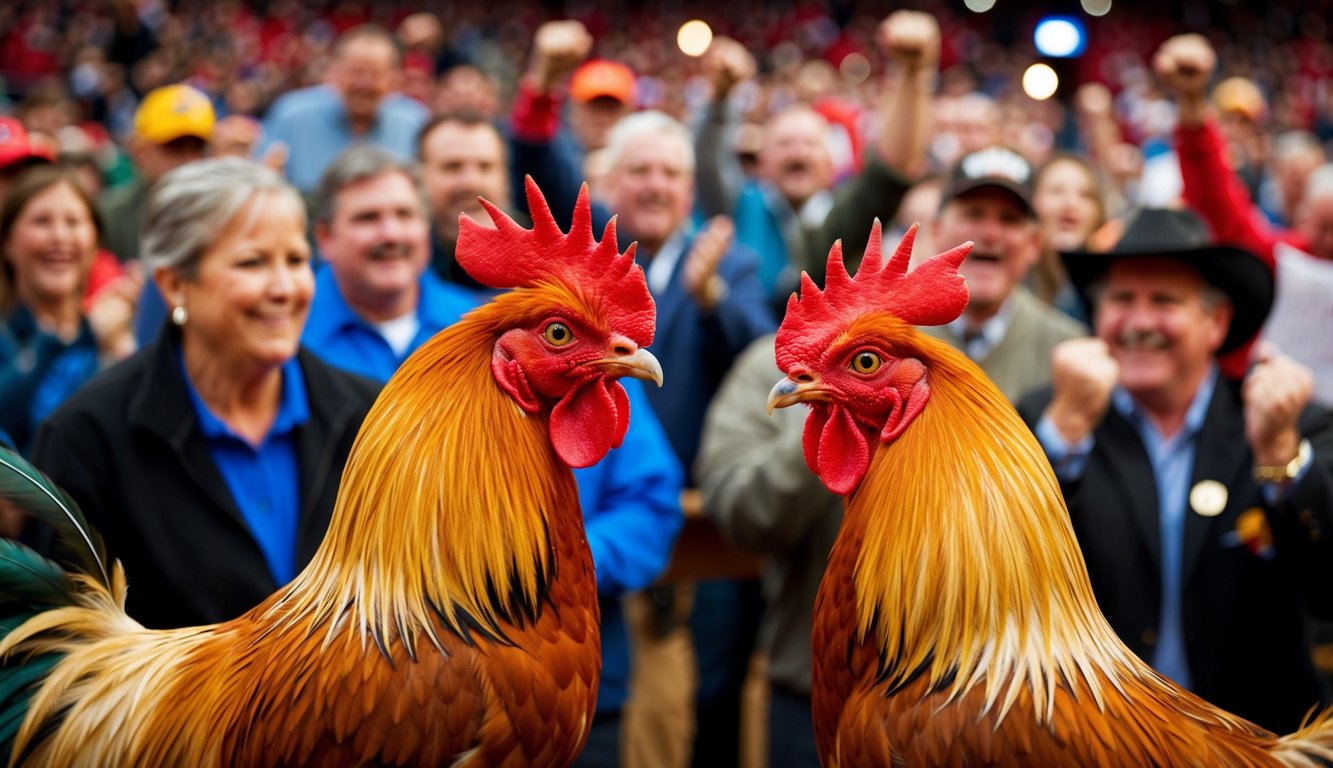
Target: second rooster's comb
512	256
932	294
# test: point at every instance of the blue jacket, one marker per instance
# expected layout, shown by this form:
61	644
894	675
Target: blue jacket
630	499
697	348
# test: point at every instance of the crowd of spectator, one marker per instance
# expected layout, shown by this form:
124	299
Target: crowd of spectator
735	171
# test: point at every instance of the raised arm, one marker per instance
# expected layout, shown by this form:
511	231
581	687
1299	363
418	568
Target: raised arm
718	174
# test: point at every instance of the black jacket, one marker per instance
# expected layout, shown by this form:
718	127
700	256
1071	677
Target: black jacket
128	448
1244	604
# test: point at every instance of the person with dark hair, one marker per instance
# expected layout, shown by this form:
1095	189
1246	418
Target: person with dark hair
463	157
359	104
49	346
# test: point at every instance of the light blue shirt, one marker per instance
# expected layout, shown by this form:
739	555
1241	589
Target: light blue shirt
313	123
1172	461
264	481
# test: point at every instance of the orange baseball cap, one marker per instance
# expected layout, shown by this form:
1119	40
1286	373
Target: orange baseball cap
173	112
602	78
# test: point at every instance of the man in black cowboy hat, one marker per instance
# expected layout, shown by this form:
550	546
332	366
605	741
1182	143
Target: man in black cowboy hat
1204	507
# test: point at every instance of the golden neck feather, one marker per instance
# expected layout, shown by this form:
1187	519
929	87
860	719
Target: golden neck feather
971	571
442	511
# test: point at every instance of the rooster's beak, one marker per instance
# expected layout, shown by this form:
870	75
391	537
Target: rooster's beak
789	392
639	365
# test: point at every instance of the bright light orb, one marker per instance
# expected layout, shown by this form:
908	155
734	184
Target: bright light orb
1096	7
1040	82
1059	37
979	6
694	37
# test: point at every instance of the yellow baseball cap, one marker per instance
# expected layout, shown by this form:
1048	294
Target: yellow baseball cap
172	112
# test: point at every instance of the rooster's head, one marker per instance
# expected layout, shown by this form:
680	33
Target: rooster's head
850	352
579	318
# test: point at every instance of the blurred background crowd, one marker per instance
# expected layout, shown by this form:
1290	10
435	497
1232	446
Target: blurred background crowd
735	152
75	70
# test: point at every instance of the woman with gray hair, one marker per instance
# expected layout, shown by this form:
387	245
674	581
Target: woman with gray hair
210	459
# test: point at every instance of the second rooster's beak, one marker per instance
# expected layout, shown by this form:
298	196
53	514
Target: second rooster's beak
641	364
790	392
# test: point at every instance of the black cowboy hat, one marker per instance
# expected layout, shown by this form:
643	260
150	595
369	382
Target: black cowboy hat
1161	233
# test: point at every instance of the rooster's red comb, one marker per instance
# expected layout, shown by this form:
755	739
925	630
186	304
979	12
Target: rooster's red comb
932	294
511	256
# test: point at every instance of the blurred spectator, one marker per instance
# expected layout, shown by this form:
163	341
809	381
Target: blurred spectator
172	127
462	158
1300	257
1241	113
224	420
376	298
1008	332
1295	155
710	305
359	103
236	136
49	346
790	214
465	88
1069	204
601	92
18	153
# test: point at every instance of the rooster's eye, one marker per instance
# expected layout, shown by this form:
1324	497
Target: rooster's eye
866	362
558	334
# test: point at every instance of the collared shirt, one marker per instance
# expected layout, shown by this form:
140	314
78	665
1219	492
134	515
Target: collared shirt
264	480
1172	461
314	125
978	342
662	264
340	336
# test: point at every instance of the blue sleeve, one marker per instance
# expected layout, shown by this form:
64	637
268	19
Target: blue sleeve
631	503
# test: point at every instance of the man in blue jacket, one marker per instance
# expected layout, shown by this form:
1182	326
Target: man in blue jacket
377	300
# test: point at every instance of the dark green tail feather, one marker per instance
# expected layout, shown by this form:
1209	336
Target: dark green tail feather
31	584
24	486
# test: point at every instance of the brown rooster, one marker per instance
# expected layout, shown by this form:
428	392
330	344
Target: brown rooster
450	616
955	624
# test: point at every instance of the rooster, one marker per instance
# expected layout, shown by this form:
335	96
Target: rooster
450	615
955	623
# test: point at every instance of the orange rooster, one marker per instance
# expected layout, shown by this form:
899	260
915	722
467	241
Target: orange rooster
449	617
955	624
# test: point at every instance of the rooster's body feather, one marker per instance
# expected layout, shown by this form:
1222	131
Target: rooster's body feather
955	623
449	617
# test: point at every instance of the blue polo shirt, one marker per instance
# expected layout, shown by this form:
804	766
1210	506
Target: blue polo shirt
264	479
344	339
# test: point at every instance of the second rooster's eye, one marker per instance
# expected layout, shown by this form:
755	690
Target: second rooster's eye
866	362
557	334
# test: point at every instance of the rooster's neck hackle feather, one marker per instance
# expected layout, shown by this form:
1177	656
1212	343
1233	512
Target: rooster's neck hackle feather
1023	597
456	536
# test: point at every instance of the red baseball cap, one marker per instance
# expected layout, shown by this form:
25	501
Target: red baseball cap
16	146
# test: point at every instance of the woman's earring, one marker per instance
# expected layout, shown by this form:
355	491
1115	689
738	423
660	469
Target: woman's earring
179	315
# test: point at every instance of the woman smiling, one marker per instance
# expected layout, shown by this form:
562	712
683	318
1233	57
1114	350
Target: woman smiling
210	460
